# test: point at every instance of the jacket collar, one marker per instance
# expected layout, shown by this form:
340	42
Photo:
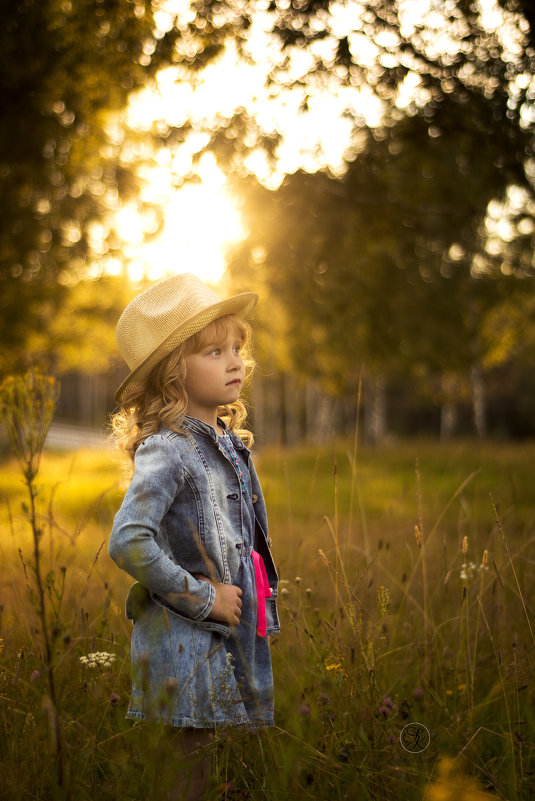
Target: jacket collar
199	427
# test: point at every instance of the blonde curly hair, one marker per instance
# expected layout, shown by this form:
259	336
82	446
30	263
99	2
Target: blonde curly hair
162	401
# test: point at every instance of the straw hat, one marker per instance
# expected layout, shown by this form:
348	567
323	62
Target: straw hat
166	314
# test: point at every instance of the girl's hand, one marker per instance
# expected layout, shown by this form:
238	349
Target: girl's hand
227	604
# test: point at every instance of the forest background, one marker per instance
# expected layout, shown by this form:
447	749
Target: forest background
393	253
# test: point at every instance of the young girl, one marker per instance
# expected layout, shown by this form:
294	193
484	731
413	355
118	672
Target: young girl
192	529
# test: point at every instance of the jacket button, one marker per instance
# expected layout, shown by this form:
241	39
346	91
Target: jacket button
254	498
233	496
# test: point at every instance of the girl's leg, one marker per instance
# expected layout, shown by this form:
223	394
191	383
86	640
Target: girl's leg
192	747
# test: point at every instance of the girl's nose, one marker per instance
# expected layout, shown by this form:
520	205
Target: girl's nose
236	362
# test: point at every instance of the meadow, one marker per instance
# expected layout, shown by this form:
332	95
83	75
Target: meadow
404	665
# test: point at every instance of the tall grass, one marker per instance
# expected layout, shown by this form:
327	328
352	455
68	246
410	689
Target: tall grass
406	597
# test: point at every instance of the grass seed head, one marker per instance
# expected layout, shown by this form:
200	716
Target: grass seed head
418	535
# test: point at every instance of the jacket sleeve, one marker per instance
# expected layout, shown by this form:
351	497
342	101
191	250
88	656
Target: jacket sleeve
133	542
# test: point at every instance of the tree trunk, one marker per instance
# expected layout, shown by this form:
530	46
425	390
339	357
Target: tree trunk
257	409
282	416
479	406
319	414
448	420
449	412
375	409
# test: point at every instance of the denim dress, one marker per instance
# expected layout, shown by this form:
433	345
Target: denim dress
195	506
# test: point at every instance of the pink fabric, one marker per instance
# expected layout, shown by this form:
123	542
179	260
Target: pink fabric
263	591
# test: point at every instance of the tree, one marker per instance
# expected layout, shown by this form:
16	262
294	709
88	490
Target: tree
66	69
386	266
401	246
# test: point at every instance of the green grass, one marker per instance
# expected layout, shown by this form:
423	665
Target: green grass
369	612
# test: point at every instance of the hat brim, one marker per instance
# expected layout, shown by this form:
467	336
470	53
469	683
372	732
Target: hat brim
241	305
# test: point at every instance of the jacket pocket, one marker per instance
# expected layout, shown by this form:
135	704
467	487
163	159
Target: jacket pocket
139	597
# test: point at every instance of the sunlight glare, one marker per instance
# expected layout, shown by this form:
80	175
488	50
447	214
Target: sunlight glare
200	221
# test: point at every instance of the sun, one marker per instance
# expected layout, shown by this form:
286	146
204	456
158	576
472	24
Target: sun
201	220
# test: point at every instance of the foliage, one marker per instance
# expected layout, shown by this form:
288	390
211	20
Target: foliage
452	48
82	337
381	53
27	407
385	252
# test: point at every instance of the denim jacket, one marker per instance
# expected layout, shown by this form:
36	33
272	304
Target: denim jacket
182	514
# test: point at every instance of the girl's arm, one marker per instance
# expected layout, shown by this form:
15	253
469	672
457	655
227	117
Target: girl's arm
156	481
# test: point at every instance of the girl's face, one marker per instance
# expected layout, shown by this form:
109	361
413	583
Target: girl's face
214	376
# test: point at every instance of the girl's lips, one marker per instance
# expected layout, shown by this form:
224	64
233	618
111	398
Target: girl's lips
235	381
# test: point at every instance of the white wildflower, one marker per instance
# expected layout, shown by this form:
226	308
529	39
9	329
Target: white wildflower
467	571
101	659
